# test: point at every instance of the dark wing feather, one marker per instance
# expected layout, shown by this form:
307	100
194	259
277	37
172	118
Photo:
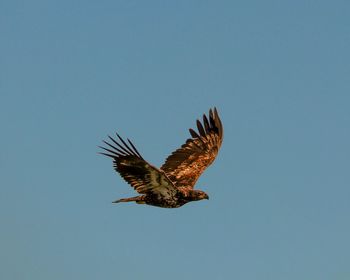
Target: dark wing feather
141	175
184	166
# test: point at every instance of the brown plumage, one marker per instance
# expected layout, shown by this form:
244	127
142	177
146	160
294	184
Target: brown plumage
172	185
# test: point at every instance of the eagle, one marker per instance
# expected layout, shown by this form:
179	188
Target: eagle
171	185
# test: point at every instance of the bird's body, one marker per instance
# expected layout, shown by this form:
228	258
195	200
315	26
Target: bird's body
171	186
179	198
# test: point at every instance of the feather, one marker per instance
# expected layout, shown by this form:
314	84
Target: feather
206	124
126	145
200	128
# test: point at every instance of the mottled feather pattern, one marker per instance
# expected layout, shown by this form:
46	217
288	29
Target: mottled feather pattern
172	185
185	165
141	175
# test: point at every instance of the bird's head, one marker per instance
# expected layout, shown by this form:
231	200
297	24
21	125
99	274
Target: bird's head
198	195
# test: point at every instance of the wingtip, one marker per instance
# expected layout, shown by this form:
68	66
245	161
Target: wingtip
200	128
193	133
216	111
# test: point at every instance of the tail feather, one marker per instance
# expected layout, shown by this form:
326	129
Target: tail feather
137	199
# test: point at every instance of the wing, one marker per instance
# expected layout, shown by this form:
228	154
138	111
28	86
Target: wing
184	166
141	175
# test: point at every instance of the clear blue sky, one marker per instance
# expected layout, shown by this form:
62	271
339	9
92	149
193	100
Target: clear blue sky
72	72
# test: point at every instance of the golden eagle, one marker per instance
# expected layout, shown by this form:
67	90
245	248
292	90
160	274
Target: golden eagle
170	186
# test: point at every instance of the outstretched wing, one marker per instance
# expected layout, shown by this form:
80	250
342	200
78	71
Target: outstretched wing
141	175
184	166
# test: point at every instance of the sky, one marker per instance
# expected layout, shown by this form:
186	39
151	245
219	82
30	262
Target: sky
73	72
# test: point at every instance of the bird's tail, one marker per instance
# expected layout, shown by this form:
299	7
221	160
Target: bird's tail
137	199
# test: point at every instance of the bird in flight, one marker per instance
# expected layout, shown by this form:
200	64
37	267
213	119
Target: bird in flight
171	185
